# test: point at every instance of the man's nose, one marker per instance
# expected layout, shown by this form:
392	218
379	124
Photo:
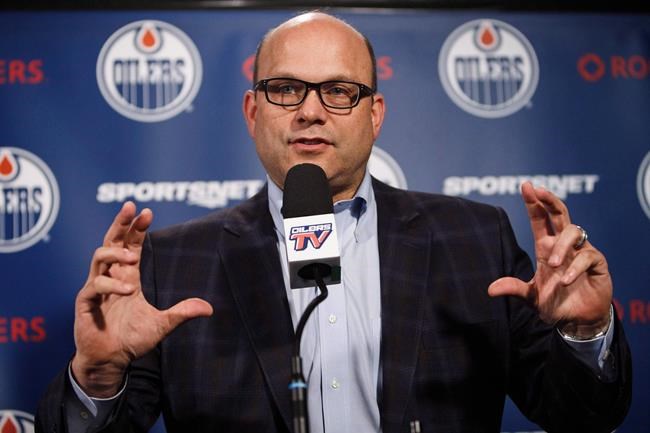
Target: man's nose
312	109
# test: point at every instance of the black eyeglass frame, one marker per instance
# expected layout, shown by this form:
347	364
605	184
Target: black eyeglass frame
363	91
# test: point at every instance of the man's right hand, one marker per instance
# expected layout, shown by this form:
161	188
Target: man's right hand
114	323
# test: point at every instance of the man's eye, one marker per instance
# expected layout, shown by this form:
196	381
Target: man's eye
285	89
338	91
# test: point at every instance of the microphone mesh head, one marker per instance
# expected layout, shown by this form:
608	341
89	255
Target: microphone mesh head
306	192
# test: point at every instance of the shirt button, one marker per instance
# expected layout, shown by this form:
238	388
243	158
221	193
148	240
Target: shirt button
332	319
335	384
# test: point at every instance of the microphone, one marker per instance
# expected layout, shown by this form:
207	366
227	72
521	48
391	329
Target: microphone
309	227
313	256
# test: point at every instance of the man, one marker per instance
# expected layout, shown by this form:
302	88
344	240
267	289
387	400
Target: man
433	324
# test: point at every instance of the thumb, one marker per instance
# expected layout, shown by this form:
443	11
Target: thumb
185	310
510	286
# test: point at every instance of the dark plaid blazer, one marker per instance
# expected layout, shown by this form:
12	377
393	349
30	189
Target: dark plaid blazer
449	353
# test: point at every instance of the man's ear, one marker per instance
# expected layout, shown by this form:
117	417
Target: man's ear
377	113
249	107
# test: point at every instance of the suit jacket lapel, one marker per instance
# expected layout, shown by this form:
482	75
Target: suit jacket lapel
250	244
404	256
250	249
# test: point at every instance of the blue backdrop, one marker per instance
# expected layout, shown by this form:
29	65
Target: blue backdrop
99	107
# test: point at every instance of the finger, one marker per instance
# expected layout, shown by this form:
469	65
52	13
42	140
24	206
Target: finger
557	210
564	244
121	223
128	274
540	222
104	257
183	311
136	234
587	260
513	287
104	285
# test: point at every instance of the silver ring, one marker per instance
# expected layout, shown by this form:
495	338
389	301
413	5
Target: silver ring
583	238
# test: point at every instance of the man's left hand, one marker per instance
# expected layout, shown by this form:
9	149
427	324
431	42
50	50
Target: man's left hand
572	287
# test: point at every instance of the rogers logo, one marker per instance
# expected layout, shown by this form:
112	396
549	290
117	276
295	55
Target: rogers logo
384	68
635	311
17	71
593	67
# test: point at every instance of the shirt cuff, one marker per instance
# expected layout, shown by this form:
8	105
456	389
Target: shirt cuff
93	404
593	352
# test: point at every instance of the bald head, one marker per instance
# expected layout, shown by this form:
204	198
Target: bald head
314	48
315	22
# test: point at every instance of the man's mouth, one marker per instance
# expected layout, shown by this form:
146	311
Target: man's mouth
310	141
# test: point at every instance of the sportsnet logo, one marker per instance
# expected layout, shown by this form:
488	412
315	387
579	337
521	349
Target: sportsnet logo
560	185
15	421
149	71
29	199
315	234
211	194
488	68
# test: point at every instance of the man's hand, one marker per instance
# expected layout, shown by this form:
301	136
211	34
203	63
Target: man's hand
114	324
571	288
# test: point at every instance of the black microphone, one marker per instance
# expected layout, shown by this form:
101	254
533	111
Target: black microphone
309	227
313	256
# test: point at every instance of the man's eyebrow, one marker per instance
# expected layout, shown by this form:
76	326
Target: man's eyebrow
338	77
280	75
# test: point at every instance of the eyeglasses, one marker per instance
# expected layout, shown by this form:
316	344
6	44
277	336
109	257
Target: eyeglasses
288	92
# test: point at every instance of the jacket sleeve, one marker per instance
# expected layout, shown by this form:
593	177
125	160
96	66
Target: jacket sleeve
135	411
548	382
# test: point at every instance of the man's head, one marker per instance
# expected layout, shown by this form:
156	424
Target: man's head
371	52
315	47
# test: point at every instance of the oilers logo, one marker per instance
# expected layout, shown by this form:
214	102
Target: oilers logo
384	167
315	234
643	184
15	421
149	71
29	199
488	68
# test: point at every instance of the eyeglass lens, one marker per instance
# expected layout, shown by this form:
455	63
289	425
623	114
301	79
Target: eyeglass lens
292	92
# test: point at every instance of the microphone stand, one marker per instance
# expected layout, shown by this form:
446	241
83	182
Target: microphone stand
297	385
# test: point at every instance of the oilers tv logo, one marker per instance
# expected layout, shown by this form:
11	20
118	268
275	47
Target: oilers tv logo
316	235
643	184
29	199
15	421
488	68
149	71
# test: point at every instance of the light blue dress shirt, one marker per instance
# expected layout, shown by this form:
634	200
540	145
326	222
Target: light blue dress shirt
341	340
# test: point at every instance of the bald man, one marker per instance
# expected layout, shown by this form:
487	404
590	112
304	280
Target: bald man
438	316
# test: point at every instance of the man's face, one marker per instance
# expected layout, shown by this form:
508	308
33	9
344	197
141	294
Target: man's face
315	48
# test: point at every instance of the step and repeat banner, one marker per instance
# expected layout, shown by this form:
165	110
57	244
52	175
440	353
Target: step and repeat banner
99	107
